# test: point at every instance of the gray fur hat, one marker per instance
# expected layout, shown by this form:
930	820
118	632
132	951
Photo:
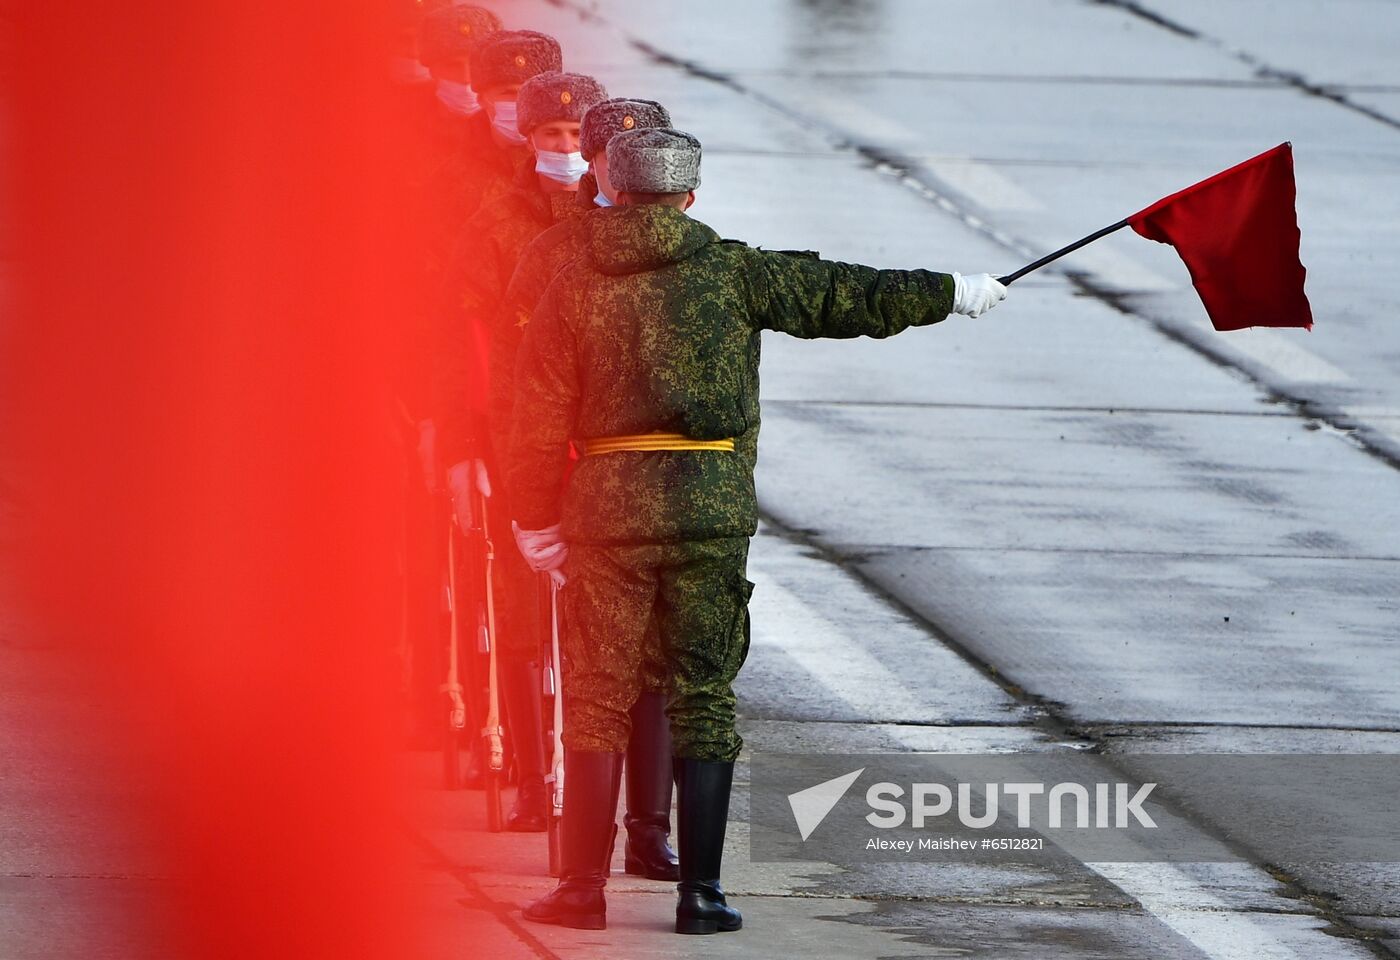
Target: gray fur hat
552	97
450	32
654	161
413	11
606	120
514	56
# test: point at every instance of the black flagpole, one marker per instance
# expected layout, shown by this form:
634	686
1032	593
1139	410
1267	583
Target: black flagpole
1051	257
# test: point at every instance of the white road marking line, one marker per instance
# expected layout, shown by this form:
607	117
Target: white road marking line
1120	271
983	184
994	192
1184	904
1388	426
1281	355
824	650
856	115
1221	932
1378	413
1383	420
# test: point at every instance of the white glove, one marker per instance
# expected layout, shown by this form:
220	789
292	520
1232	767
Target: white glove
427	453
544	550
464	479
976	294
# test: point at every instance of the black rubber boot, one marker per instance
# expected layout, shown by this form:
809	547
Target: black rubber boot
591	784
520	682
648	818
703	792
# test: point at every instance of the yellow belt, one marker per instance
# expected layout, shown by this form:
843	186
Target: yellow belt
652	441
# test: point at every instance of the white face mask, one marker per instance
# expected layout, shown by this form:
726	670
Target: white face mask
503	119
602	200
458	98
562	167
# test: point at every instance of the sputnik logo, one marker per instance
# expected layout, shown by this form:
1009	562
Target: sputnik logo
810	806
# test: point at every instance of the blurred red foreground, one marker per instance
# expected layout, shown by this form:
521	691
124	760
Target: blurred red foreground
203	202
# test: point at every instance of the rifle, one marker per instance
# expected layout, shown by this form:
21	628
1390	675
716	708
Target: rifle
480	559
553	687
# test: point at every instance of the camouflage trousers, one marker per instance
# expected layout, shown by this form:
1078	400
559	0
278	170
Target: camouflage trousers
683	606
521	631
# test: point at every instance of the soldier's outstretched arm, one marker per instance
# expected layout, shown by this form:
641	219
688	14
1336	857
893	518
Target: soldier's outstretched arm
547	393
804	296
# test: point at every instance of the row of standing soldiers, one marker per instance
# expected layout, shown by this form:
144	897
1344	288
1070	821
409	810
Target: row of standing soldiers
595	360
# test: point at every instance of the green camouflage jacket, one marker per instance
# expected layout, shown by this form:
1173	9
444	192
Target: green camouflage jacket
454	166
656	328
457	166
542	258
475	335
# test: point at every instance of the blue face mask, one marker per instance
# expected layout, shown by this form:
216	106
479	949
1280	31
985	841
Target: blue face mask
504	120
602	200
458	98
560	167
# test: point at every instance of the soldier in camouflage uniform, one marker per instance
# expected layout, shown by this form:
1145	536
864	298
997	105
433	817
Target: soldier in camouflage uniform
648	767
494	150
550	109
547	253
465	160
645	352
463	164
405	64
446	122
436	121
480	152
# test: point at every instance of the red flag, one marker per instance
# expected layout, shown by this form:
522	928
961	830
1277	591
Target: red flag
1237	233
